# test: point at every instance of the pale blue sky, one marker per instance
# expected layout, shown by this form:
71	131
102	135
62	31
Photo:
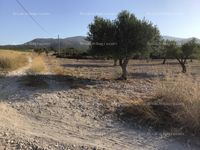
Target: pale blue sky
180	18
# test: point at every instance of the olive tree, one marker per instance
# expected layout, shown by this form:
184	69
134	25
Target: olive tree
122	38
187	51
182	53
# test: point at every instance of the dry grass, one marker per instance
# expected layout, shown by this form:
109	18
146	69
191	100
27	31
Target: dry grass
12	60
57	69
88	69
38	65
181	101
104	70
175	105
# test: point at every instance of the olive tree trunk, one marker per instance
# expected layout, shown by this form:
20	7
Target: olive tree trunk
164	61
115	62
123	64
184	70
182	62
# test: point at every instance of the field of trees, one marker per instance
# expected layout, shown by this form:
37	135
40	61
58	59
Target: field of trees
129	89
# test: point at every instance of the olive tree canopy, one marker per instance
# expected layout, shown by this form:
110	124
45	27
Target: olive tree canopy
122	37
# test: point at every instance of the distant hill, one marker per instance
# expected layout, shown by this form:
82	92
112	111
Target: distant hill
179	40
77	42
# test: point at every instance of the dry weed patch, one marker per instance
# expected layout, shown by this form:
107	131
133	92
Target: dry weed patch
38	65
175	105
12	60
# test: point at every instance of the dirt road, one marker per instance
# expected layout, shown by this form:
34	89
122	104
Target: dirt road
70	114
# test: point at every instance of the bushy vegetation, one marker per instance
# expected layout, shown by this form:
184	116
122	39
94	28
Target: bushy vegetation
73	53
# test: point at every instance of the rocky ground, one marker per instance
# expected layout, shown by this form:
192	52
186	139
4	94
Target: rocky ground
77	113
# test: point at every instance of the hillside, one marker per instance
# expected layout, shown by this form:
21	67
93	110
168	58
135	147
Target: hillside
179	40
77	42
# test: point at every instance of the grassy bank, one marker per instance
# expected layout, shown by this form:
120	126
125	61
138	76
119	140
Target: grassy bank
12	60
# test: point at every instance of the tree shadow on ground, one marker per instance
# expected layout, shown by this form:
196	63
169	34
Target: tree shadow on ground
19	87
86	65
64	81
154	64
144	75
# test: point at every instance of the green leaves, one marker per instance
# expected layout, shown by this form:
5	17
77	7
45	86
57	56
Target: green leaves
171	49
189	49
185	51
102	36
123	37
